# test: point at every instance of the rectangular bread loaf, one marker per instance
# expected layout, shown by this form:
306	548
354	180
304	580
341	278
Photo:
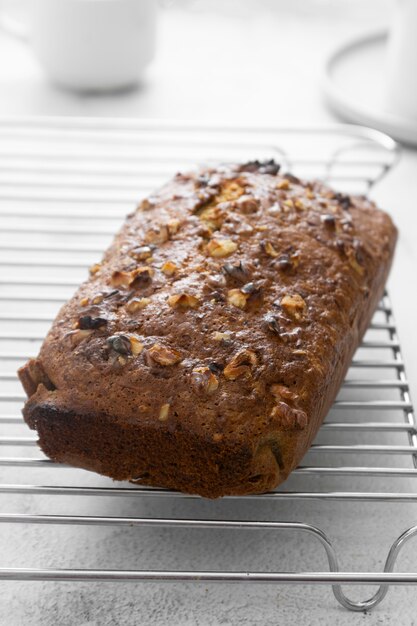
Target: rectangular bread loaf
209	343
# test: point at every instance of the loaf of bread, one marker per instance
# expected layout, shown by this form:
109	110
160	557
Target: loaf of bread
209	343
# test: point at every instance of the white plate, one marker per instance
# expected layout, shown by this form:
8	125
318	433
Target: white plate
354	86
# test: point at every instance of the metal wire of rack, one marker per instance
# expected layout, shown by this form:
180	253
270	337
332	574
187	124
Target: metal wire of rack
65	185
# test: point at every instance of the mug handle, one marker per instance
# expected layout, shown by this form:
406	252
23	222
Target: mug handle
14	27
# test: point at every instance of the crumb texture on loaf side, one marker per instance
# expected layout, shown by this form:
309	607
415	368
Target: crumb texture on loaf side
206	347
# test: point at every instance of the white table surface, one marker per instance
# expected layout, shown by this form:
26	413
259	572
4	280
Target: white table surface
242	61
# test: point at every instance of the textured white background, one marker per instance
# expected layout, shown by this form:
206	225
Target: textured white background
243	61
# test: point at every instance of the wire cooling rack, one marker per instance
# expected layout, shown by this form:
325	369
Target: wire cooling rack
65	186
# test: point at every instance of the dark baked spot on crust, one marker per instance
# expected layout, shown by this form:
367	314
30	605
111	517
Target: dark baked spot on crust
261	167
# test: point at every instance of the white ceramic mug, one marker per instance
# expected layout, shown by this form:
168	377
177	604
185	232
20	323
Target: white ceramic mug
92	45
401	70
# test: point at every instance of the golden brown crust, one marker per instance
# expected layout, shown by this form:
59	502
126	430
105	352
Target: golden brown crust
206	348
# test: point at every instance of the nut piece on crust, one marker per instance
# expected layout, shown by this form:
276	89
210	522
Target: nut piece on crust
282	392
169	268
222	336
218	248
241	365
146	205
164	412
237	298
295	306
142	252
95	268
77	336
164	356
183	301
173	227
32	375
137	304
136	345
269	249
135	278
157	234
204	380
289	418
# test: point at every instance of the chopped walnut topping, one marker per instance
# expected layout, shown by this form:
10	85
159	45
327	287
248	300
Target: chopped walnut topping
274	210
164	412
289	418
135	278
217	280
163	355
213	216
231	190
137	304
268	248
146	205
86	322
98	299
225	336
283	184
121	279
95	268
173	227
282	392
205	232
157	234
142	252
247	204
294	305
299	204
169	268
292	336
142	276
221	247
76	336
241	365
136	346
204	380
203	197
183	301
237	298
